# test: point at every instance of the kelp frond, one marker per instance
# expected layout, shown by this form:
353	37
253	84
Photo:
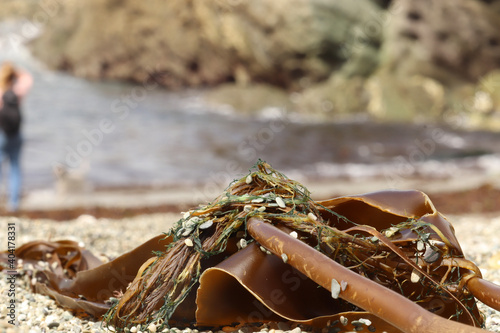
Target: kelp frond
413	268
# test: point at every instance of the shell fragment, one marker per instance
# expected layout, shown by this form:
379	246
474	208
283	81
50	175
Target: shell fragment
335	288
431	255
312	217
207	224
284	257
367	322
280	202
415	276
242	243
390	232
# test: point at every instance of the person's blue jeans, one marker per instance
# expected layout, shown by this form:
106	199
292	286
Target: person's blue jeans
11	149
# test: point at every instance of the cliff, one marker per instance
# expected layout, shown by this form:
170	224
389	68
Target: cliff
391	59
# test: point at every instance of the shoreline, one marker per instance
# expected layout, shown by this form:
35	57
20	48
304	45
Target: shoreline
459	195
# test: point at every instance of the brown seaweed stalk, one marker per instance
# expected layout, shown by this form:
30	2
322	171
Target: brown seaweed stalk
485	291
364	293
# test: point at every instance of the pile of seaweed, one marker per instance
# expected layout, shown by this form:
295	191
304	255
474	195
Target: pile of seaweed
397	240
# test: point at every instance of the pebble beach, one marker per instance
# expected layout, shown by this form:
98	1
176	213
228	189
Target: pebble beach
478	234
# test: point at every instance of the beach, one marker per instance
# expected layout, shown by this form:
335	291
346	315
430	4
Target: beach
112	222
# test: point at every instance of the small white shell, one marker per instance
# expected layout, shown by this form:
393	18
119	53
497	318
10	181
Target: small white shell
344	321
206	225
242	243
152	328
188	242
420	245
335	289
258	200
415	276
249	179
186	232
280	202
312	217
261	209
294	234
284	257
343	285
365	321
247	208
431	255
391	231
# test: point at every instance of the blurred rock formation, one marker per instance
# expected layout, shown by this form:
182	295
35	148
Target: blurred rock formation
396	60
196	42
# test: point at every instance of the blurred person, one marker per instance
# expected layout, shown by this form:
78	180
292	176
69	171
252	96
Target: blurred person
14	85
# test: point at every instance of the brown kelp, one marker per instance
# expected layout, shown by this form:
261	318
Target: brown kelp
259	251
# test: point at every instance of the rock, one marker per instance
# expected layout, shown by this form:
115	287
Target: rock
250	99
338	96
190	43
396	60
394	98
18	9
451	41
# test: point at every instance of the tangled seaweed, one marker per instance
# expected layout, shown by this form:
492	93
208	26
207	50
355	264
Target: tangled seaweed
258	252
414	268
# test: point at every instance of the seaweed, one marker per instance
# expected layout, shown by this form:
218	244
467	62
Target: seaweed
259	251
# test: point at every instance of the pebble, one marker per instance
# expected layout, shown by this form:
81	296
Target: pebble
53	324
479	237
